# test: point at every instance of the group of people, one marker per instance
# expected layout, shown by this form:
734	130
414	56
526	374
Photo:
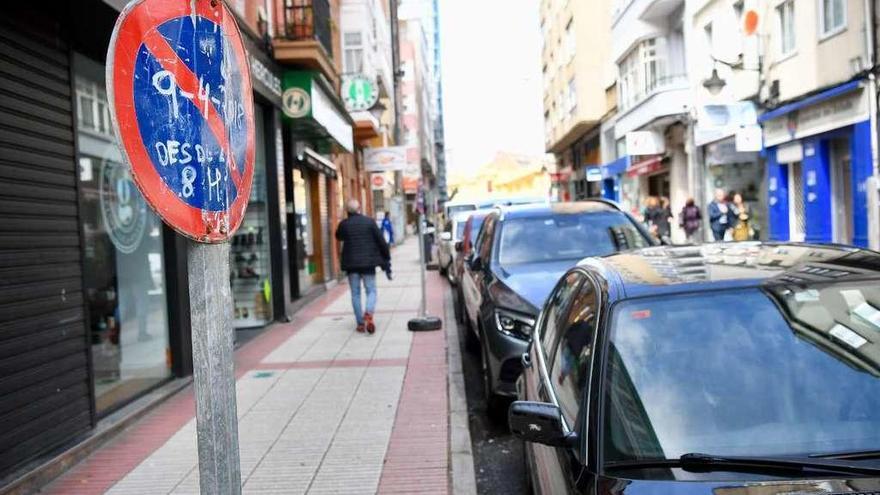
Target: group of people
727	212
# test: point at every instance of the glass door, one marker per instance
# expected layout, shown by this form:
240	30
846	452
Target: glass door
306	265
796	214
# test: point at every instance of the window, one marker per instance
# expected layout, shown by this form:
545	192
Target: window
555	308
570	42
641	72
832	19
484	239
787	41
572	96
353	55
570	371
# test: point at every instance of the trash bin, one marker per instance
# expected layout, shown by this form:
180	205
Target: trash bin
428	243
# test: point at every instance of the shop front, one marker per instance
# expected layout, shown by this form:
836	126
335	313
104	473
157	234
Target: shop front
818	153
735	172
318	131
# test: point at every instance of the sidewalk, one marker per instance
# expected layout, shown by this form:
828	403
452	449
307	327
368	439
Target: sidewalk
321	409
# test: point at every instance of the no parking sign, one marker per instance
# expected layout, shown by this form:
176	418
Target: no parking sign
182	106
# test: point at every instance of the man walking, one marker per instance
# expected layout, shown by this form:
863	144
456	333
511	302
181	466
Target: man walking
363	249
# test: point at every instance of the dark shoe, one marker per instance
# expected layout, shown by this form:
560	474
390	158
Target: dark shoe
368	321
360	328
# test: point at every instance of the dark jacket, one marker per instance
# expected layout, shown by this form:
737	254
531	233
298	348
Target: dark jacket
719	220
363	246
690	219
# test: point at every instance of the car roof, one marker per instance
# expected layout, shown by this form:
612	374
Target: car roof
562	208
678	269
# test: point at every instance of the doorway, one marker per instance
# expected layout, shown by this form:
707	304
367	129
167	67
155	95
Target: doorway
658	185
841	191
797	225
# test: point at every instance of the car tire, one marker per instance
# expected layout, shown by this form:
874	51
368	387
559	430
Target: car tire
495	404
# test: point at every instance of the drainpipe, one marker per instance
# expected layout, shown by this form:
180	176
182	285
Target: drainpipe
873	183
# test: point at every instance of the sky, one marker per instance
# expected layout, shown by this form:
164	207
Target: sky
491	75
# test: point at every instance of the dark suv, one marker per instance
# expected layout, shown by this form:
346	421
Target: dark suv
722	369
519	255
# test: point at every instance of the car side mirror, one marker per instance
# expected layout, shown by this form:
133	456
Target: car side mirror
539	422
459	246
446	236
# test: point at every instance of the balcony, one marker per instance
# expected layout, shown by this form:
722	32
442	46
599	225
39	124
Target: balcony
304	36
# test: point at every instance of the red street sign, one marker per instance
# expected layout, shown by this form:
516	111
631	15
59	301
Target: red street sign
180	96
378	181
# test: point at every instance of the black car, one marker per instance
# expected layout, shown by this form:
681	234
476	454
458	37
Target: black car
520	253
723	369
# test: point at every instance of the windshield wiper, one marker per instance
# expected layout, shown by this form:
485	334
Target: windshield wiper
849	454
697	462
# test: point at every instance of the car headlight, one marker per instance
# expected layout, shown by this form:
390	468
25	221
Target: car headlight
514	324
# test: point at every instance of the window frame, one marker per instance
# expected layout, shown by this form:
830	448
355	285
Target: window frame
780	15
824	32
349	49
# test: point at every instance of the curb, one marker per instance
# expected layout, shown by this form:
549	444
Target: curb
461	455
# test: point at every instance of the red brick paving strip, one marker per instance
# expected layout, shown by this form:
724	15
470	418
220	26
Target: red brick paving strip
417	460
113	461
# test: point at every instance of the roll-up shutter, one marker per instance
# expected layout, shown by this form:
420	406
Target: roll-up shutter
45	397
324	209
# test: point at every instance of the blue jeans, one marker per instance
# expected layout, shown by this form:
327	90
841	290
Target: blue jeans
354	282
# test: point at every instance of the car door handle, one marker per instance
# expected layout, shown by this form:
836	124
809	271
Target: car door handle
526	360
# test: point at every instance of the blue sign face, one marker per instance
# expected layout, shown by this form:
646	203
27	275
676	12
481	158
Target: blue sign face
192	121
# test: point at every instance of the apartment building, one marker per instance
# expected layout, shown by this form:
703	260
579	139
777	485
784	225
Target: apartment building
576	40
817	127
651	125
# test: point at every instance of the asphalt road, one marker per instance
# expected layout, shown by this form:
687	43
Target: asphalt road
498	456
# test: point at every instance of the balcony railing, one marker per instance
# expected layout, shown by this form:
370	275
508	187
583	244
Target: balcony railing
308	20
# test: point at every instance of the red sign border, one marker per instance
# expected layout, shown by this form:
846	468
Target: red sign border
195	223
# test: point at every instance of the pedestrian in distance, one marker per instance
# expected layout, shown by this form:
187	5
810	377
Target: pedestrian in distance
690	220
363	249
743	229
720	215
654	218
665	226
388	228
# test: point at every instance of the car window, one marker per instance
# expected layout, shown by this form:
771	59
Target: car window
555	308
570	369
782	370
568	236
459	230
476	223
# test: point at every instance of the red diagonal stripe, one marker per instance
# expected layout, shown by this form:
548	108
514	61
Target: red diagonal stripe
189	82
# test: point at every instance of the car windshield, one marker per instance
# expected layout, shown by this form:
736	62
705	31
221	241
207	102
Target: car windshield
567	237
452	210
756	372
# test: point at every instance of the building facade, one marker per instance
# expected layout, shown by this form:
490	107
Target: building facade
575	69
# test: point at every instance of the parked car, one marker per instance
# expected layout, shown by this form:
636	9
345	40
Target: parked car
519	255
736	368
452	234
463	249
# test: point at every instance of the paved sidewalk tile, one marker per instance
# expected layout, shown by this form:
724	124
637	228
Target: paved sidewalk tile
322	409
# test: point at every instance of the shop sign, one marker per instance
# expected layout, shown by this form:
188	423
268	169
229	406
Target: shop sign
716	122
790	153
834	113
639	143
725	153
264	74
378	182
388	159
645	166
313	110
749	139
359	93
184	117
594	174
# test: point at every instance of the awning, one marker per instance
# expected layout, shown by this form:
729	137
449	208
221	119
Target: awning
615	168
645	166
791	107
317	162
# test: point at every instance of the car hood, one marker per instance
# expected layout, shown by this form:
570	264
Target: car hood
534	281
768	486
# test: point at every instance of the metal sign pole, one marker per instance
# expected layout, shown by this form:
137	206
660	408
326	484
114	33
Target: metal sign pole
423	321
214	376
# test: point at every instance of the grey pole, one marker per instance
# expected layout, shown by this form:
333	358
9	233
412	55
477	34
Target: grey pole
213	368
423	321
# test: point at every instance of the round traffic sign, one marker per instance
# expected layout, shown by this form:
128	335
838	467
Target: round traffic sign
180	96
378	181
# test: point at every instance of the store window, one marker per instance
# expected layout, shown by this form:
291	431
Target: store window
250	259
305	249
124	261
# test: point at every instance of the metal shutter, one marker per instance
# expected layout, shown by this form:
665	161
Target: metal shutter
45	397
324	209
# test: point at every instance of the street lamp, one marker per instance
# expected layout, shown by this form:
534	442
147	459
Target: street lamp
715	84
